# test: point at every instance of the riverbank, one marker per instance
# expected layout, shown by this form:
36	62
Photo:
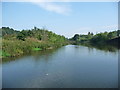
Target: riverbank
16	43
13	48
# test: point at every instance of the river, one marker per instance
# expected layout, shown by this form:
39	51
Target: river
70	66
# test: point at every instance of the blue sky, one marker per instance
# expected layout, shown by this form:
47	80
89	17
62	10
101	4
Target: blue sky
64	18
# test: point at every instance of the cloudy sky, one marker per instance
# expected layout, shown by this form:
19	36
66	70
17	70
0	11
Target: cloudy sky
64	18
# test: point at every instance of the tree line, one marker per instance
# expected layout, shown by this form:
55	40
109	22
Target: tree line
97	38
40	34
15	43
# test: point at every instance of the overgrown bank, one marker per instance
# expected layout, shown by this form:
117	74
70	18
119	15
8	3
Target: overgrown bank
100	39
15	43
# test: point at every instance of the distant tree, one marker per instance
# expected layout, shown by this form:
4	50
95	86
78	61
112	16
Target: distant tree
39	37
92	34
118	33
99	38
21	36
35	28
89	33
76	37
29	33
8	31
110	35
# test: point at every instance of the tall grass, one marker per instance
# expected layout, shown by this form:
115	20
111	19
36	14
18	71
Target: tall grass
19	47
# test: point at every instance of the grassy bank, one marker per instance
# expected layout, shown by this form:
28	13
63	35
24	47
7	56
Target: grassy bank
16	43
12	48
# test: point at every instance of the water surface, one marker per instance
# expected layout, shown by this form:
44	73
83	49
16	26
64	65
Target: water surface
70	66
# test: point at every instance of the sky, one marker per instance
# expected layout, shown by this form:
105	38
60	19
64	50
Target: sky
64	18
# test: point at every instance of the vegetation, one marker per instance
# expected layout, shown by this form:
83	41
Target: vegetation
15	43
7	31
96	39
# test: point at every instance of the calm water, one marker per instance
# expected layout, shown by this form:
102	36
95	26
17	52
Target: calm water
70	66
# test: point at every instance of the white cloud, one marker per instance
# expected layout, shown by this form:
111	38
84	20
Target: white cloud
48	5
53	7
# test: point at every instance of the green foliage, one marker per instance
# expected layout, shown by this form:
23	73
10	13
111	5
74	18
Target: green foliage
98	38
16	43
21	36
8	31
4	54
37	49
18	47
76	37
118	33
110	35
26	41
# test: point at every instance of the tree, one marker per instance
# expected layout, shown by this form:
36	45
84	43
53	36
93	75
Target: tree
8	31
92	34
35	28
39	37
99	38
21	36
76	37
29	33
110	35
118	33
89	33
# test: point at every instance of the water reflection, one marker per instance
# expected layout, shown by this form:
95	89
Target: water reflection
36	55
70	66
46	54
103	47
